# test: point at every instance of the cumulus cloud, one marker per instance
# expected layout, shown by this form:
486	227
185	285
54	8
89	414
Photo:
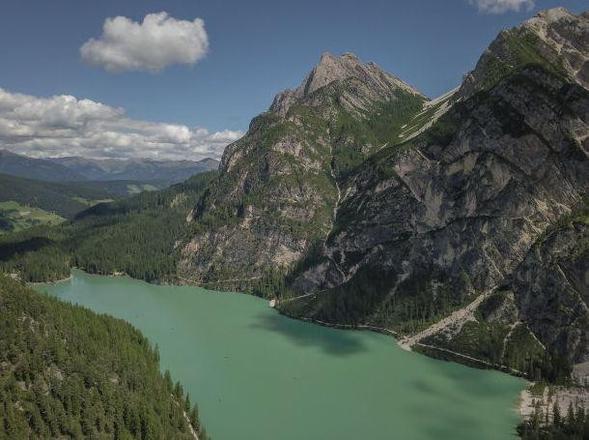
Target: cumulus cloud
66	126
155	43
501	6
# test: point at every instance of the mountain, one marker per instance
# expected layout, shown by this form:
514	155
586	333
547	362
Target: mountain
279	185
447	221
41	169
472	238
70	373
69	169
144	170
555	39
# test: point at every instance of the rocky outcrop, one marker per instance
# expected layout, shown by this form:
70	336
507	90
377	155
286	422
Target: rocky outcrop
555	38
537	322
375	83
551	289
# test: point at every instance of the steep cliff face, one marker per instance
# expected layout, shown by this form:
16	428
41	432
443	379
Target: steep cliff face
457	209
551	288
452	216
359	202
537	321
279	184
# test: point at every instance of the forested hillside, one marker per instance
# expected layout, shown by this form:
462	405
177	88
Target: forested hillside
136	236
66	372
63	199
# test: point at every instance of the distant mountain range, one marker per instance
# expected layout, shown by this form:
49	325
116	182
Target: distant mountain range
47	191
66	169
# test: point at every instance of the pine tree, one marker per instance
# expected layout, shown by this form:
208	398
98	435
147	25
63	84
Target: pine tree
570	418
194	415
556	417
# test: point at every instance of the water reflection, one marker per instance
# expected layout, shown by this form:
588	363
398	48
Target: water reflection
331	341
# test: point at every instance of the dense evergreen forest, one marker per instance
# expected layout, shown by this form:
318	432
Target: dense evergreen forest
66	372
136	236
555	425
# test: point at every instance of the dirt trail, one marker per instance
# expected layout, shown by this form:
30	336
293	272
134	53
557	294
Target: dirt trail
459	316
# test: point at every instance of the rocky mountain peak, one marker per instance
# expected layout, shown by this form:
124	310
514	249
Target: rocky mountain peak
567	35
551	15
560	28
333	68
330	68
555	38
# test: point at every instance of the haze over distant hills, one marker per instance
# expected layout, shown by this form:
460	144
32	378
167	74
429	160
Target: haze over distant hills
48	191
83	169
136	169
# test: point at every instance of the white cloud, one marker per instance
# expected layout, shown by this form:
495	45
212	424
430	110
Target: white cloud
501	6
66	126
155	43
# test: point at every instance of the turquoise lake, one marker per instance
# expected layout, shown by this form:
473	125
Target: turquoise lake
258	375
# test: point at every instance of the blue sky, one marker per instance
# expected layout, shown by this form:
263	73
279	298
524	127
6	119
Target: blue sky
256	48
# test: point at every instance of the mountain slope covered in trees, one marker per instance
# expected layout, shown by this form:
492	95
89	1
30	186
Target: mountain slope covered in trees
137	236
63	199
66	372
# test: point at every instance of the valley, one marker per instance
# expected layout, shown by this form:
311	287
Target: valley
354	205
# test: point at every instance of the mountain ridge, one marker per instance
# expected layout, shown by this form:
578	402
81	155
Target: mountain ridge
332	68
290	163
74	168
426	221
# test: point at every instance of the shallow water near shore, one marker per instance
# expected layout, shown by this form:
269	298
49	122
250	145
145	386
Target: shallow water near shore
258	375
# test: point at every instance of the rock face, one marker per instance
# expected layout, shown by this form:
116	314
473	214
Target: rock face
354	201
458	211
462	210
551	288
375	82
279	184
554	38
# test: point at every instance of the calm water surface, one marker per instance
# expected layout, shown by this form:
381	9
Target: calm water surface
258	375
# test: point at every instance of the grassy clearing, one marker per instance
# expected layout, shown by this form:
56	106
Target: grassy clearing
16	217
137	188
91	202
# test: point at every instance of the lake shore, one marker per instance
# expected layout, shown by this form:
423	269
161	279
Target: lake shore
40	283
224	347
545	397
